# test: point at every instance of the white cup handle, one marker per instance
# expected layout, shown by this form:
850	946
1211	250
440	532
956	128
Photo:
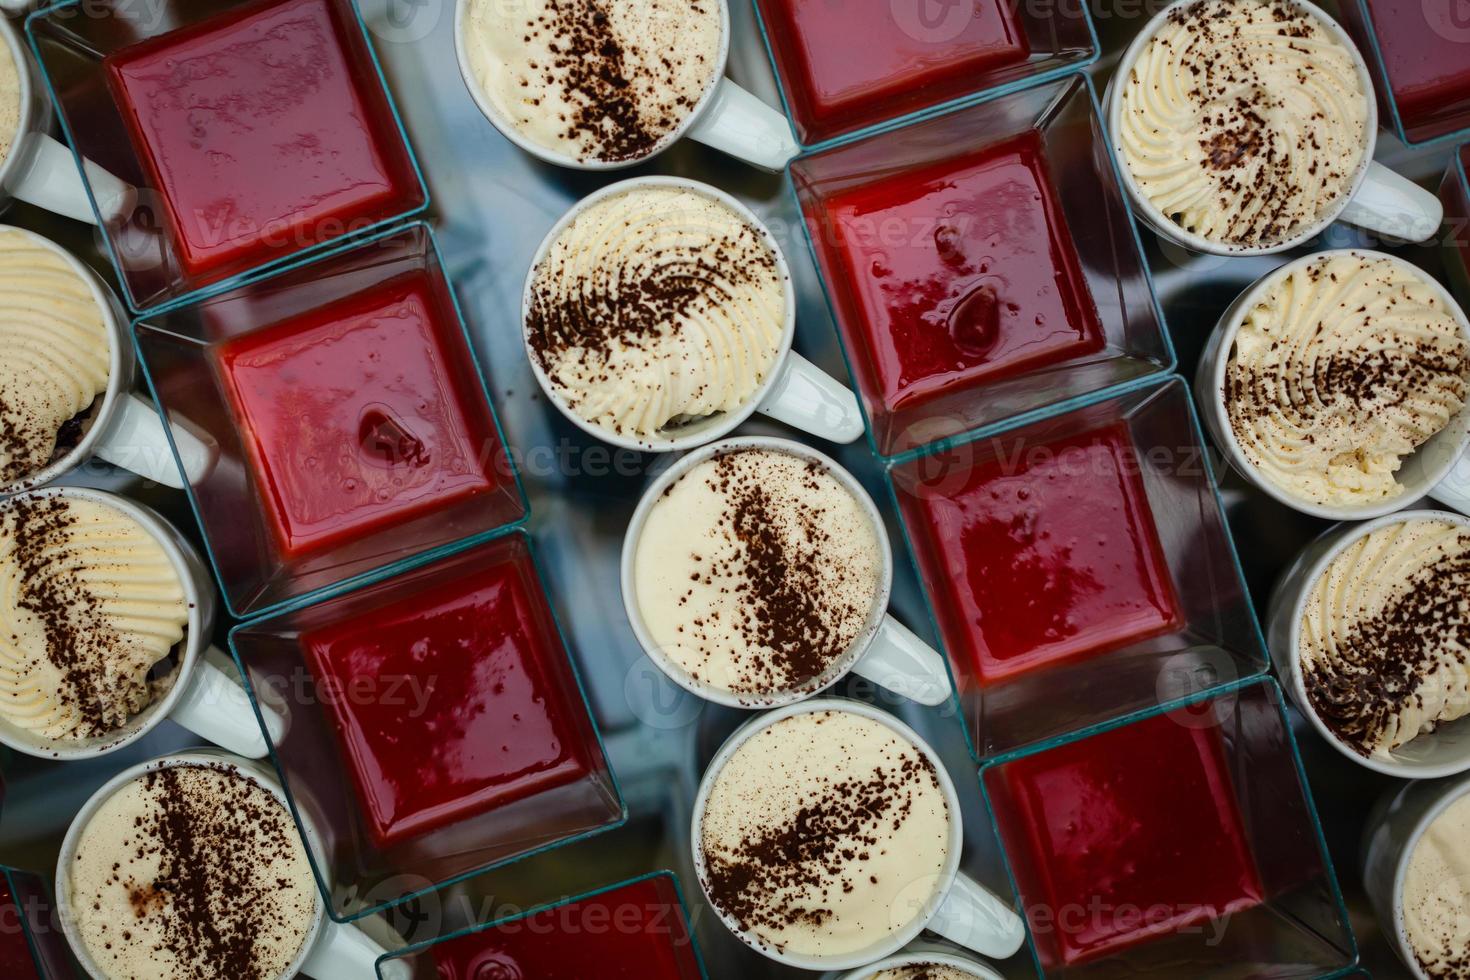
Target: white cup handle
1394	205
805	396
738	123
1454	489
345	952
50	180
976	918
216	707
904	664
136	441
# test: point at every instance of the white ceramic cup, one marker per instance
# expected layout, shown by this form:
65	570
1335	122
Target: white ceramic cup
1396	825
886	652
126	430
795	391
38	169
726	117
205	696
1440	468
960	908
332	950
1378	198
1443	752
920	953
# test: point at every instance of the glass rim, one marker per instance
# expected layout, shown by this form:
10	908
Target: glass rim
283	263
434	258
1277	698
413	949
33	945
329	905
1164	368
1064	67
1146	390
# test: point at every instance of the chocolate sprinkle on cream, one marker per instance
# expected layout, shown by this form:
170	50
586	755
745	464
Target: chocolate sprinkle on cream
757	571
656	307
1244	121
192	872
1385	636
824	834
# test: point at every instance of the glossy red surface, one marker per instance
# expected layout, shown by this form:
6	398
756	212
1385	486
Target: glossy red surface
1123	837
1043	555
848	64
1426	50
636	932
16	960
263	132
466	703
963	273
361	415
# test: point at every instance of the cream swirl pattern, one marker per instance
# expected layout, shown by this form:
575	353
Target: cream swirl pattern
1385	636
656	306
1346	366
90	609
1244	121
1437	894
57	354
10	98
923	971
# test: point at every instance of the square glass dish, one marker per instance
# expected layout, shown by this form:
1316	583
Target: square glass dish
981	265
435	727
254	133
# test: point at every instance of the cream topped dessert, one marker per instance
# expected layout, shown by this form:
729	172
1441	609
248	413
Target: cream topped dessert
1385	636
1437	895
1244	121
606	81
192	872
10	102
91	609
825	834
1342	370
654	307
924	971
757	571
57	355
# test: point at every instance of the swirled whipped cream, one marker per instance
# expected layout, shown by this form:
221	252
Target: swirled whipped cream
924	971
1244	121
90	609
1344	368
56	355
1437	895
654	307
1385	635
10	99
596	80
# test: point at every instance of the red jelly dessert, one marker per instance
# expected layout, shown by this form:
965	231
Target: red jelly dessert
1426	51
485	708
15	950
636	932
1045	554
848	64
264	130
984	283
361	415
1125	836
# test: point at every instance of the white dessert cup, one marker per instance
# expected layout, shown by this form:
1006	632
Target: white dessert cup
1377	199
1440	468
125	430
331	950
726	117
958	908
886	652
920	953
795	391
206	697
1395	826
1444	752
40	170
